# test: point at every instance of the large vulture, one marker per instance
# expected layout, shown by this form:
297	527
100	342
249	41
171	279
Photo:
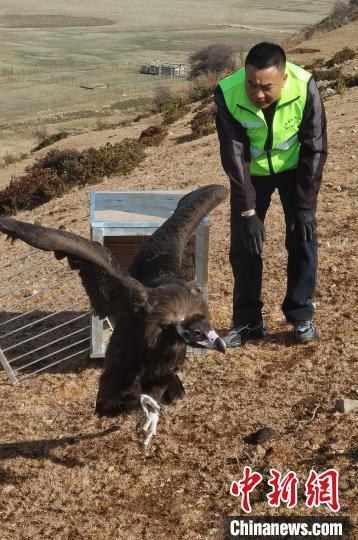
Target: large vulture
156	313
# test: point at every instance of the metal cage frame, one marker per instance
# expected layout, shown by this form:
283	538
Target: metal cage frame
57	338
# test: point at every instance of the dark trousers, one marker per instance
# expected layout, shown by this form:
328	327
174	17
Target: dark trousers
247	268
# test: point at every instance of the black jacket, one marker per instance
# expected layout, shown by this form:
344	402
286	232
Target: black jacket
235	151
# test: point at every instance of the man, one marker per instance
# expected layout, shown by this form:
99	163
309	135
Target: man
272	131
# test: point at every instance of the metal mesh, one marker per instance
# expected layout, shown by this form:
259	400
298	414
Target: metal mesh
44	318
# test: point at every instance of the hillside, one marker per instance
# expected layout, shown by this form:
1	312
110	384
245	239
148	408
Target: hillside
65	474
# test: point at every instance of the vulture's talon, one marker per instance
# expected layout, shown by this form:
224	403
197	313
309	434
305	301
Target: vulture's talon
151	427
152	411
147	423
147	403
141	423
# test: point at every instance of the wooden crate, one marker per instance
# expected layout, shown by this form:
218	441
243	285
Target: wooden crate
124	248
122	221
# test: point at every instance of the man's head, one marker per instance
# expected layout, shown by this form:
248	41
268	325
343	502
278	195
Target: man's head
265	74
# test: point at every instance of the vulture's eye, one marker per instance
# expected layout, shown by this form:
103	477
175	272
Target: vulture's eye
197	333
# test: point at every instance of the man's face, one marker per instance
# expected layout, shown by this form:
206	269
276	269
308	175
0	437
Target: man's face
263	86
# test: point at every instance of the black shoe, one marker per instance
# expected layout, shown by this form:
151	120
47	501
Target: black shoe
304	331
238	335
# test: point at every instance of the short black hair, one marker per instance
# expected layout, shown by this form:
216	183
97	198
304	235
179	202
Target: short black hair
265	55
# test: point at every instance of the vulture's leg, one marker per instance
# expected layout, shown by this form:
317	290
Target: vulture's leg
152	411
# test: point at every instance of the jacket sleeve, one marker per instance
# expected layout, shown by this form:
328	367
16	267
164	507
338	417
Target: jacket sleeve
235	154
313	151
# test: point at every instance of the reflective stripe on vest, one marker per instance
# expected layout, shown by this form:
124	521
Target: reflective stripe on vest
284	152
285	145
252	124
256	152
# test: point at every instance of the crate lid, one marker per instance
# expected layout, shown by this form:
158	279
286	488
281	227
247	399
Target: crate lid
132	208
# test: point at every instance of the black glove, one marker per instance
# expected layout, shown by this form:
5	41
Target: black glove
253	234
305	224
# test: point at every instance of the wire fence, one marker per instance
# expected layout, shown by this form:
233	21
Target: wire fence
17	71
28	90
10	70
44	318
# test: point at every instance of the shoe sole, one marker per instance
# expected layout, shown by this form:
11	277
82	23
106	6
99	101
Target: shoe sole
306	339
244	340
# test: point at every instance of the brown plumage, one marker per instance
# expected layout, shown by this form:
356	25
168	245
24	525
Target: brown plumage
155	311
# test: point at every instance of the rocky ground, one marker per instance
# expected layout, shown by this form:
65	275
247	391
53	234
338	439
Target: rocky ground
65	474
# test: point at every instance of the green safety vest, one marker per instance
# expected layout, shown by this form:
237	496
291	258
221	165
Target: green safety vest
284	152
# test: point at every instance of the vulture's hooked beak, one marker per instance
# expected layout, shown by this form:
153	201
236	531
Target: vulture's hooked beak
213	341
201	339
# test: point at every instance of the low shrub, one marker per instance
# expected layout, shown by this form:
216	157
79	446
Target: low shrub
304	50
59	171
50	140
341	86
351	80
204	86
172	115
341	56
316	63
216	58
203	104
327	74
343	83
153	135
33	189
162	96
203	123
172	105
119	158
62	162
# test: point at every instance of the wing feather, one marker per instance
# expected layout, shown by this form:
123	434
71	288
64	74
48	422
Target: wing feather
100	272
162	253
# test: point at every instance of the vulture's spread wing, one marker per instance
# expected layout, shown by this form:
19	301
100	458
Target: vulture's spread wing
162	253
104	280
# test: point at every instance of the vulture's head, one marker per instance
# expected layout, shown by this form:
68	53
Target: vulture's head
197	331
179	313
